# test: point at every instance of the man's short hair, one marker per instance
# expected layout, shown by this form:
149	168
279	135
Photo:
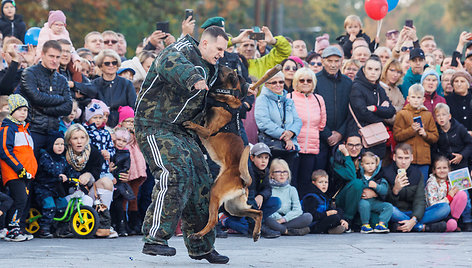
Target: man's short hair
318	174
11	40
51	44
416	89
404	147
426	38
90	34
109	32
64	42
214	31
442	106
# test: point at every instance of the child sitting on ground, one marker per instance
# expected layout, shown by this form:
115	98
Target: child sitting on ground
353	27
415	125
439	190
375	190
289	219
326	218
18	164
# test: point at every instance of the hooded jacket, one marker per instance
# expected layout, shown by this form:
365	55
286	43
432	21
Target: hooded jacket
15	27
269	115
411	197
317	203
431	100
335	90
408	80
403	132
382	184
17	151
260	184
344	41
455	140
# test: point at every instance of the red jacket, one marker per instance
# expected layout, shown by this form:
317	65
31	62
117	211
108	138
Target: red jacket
16	152
312	111
430	101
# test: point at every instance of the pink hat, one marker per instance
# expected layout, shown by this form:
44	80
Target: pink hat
92	110
102	105
297	60
321	43
56	15
125	112
122	132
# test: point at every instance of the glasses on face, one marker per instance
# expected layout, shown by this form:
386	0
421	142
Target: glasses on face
404	49
110	63
294	68
308	81
108	42
280	172
315	63
276	82
356	146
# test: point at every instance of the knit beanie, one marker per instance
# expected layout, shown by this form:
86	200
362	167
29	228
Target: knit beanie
56	15
464	74
321	43
123	133
16	101
4	2
52	137
428	73
102	105
297	60
91	110
125	112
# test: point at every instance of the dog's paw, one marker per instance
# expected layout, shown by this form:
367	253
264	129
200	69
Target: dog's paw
187	124
256	236
194	237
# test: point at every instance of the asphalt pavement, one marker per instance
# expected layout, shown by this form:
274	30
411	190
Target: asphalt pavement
346	250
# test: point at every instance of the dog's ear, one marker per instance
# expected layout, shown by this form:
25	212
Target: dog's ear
233	79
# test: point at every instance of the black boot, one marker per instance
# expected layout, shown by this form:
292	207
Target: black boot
45	232
121	228
266	232
157	249
437	227
212	257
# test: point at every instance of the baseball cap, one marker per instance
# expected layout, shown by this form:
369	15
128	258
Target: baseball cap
331	51
126	69
260	148
416	52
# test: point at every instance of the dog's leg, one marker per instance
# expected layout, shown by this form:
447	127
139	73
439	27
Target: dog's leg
201	131
238	207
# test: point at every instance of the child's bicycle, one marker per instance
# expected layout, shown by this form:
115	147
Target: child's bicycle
83	219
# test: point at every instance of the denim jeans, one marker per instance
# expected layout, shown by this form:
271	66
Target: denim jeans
466	215
432	214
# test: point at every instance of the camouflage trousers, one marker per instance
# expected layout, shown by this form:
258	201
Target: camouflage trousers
182	188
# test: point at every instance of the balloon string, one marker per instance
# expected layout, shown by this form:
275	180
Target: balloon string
379	27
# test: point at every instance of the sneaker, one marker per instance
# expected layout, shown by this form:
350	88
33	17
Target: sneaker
113	233
437	227
45	234
298	231
337	230
15	235
366	229
266	232
381	228
158	249
3	233
220	233
27	235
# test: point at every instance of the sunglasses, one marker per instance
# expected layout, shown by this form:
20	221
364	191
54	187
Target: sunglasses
109	63
315	63
294	68
110	42
406	48
276	82
308	81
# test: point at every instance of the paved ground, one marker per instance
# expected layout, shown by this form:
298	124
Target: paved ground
347	250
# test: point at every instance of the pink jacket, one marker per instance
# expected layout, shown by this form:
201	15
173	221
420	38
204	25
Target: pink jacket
46	34
138	164
312	111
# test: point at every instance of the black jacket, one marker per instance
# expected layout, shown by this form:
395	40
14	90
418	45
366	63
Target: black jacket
116	93
364	94
461	108
10	78
344	41
260	184
335	90
15	27
456	140
317	203
122	161
48	96
411	197
94	164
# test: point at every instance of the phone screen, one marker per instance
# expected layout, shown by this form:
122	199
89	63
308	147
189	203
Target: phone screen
409	23
163	26
188	13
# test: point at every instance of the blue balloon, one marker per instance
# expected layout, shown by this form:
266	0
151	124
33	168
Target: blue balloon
392	4
31	36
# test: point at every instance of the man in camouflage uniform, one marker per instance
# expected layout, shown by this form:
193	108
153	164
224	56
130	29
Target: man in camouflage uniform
174	92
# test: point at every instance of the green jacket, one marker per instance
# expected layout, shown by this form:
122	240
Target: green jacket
167	97
282	50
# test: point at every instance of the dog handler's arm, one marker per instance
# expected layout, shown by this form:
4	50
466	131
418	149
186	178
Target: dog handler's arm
177	69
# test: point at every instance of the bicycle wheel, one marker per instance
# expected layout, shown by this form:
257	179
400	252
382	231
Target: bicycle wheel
32	225
88	227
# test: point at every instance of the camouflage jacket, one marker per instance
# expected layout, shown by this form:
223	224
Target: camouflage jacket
167	97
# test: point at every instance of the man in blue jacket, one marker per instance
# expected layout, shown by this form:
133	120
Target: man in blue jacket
413	75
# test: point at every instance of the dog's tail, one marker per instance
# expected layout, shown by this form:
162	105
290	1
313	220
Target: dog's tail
243	167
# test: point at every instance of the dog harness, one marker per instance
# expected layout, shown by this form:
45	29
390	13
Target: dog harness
232	126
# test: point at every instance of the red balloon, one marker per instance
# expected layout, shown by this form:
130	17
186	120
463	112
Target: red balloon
376	9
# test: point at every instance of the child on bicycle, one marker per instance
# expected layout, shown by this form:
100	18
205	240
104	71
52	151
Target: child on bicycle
18	164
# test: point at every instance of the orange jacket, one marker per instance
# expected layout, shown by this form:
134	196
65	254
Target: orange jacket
16	151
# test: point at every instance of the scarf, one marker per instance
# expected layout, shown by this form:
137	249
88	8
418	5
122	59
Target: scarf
78	161
278	184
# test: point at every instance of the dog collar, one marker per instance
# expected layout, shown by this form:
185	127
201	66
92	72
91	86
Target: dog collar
226	91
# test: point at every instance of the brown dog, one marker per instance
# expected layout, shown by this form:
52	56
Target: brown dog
222	141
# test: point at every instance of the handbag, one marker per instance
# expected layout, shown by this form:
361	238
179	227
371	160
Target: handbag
372	134
123	190
273	143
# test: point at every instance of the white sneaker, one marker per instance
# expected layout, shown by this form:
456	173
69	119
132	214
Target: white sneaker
3	233
113	233
15	235
28	236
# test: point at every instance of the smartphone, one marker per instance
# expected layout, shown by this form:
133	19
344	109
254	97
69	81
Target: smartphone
470	38
21	48
417	119
163	26
409	23
401	170
256	34
188	13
